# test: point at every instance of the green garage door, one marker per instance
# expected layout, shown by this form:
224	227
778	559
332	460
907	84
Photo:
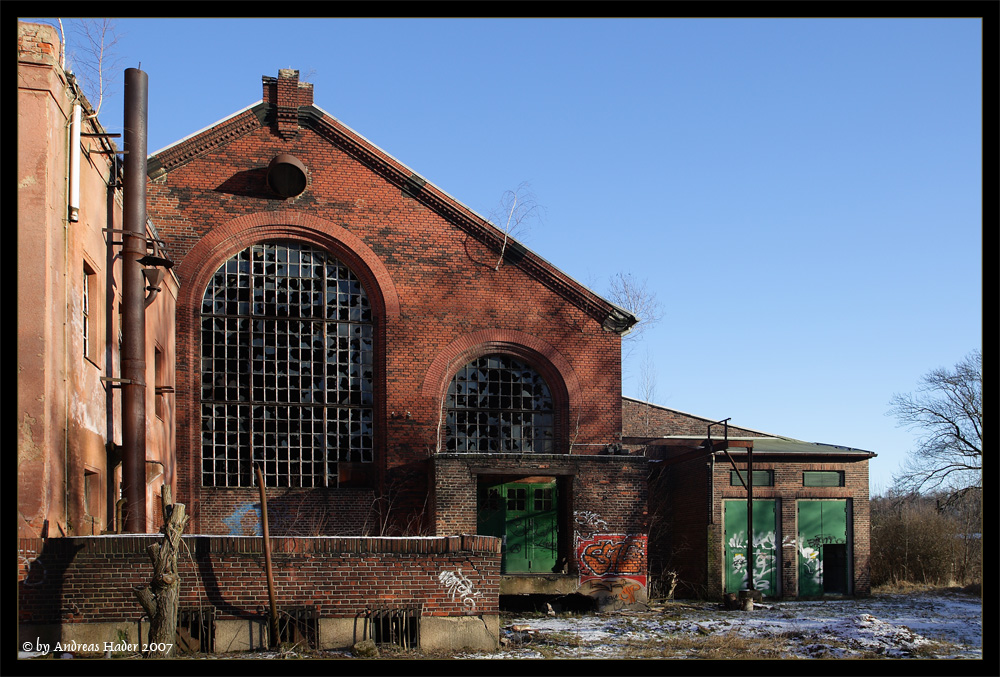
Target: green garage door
765	549
524	516
822	544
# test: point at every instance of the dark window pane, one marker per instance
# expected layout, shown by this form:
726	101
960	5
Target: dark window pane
487	409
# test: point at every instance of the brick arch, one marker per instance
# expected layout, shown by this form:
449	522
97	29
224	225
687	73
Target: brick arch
543	357
223	241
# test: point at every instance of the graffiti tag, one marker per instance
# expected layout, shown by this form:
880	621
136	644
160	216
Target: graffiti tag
764	555
590	521
606	555
621	588
459	585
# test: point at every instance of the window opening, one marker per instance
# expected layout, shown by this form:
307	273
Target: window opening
287	369
158	381
823	478
393	625
87	308
761	478
91	499
299	626
497	403
196	629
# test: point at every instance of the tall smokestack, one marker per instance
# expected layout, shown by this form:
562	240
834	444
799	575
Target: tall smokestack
133	302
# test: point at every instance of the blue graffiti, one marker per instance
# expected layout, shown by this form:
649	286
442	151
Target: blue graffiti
235	520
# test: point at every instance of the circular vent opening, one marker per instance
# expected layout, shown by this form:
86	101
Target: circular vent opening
286	176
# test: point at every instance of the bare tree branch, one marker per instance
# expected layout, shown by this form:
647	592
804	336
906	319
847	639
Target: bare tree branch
947	410
95	57
634	295
515	211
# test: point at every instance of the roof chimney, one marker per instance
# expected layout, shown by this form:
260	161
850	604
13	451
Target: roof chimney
287	94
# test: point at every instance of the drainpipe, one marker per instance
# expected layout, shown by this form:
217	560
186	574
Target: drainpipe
74	166
133	369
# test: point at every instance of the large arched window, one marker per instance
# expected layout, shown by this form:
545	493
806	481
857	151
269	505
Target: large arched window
286	370
497	403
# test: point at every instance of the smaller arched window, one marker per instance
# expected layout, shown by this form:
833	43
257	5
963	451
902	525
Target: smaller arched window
499	404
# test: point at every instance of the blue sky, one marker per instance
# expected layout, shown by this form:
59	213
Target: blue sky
802	196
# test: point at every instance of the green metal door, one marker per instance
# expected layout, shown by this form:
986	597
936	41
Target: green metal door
524	516
822	545
765	548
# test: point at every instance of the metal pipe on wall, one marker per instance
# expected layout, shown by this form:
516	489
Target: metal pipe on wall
133	369
74	165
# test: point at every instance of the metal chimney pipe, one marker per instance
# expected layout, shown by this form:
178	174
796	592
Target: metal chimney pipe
133	302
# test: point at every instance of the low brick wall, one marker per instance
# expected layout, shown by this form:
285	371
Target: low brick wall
65	582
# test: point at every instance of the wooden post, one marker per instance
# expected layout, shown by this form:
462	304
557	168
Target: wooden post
161	597
273	615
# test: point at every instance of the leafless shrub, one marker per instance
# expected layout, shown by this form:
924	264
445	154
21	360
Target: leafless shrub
917	539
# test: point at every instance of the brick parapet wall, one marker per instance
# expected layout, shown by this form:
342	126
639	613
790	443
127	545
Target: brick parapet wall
90	579
641	419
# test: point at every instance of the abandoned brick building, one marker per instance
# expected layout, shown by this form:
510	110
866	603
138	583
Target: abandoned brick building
394	366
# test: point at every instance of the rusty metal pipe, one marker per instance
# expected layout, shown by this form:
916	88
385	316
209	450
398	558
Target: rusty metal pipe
133	369
273	613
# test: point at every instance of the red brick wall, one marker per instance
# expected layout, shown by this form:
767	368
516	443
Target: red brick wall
433	286
640	419
76	580
678	532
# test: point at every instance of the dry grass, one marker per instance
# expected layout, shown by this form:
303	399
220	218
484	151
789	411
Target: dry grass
908	588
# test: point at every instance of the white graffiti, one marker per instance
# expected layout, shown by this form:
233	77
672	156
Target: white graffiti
459	585
764	553
809	558
590	520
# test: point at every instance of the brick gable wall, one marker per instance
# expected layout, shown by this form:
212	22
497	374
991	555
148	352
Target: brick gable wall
435	286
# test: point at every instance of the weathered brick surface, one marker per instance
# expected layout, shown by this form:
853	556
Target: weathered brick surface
641	419
77	580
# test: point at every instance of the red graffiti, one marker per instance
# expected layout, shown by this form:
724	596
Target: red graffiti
612	555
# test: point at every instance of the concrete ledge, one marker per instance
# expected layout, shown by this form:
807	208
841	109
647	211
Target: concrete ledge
453	633
539	584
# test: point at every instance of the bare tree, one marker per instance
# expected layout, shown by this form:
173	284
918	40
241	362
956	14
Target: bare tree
633	295
94	57
647	389
947	411
513	214
160	599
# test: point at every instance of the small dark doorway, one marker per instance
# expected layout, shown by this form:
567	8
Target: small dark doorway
834	557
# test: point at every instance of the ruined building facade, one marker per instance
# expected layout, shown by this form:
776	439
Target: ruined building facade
391	362
69	221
